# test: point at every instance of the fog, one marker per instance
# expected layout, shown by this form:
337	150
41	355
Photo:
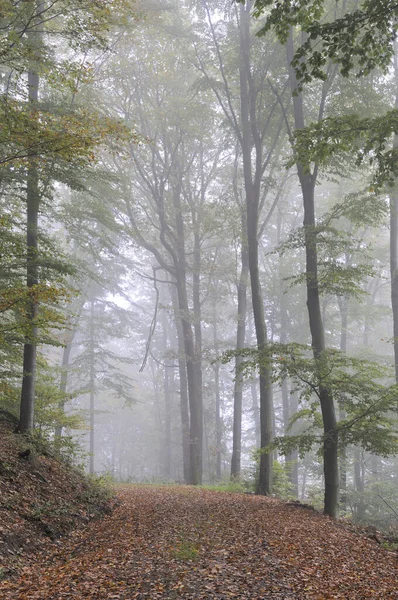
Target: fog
217	304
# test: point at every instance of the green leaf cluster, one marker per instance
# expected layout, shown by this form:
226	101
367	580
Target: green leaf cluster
369	139
361	387
360	38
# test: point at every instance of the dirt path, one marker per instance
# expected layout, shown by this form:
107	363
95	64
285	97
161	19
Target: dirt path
169	542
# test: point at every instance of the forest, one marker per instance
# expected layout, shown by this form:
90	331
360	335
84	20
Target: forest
199	244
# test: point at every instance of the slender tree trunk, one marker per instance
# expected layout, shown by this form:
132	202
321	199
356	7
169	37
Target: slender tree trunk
26	418
394	242
251	140
194	389
167	402
92	384
394	270
343	305
240	343
330	445
64	382
293	457
264	484
197	314
70	336
359	483
252	190
288	408
255	406
307	182
194	372
184	411
216	370
218	420
255	410
158	414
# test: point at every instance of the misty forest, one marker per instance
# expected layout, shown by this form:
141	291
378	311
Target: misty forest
199	258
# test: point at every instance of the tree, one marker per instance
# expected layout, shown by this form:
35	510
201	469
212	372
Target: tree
305	63
358	39
41	137
255	123
163	198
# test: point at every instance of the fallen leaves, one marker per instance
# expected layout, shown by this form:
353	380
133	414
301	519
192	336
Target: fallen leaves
173	542
38	503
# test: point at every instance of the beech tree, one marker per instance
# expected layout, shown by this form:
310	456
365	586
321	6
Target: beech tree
40	138
282	19
252	119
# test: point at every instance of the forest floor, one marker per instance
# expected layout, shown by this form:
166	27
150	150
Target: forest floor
179	542
41	500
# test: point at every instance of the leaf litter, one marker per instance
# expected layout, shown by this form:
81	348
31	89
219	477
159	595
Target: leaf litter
180	542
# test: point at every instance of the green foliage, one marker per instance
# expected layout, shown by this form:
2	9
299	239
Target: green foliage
315	496
361	208
48	414
377	505
360	38
49	398
281	486
303	442
357	385
227	485
81	24
335	276
369	139
65	448
337	236
98	490
60	136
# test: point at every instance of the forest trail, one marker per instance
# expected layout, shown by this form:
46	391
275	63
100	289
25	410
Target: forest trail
180	542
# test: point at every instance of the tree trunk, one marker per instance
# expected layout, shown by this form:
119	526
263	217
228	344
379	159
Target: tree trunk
92	385
69	337
252	191
26	418
197	315
288	408
64	381
293	457
167	402
194	372
216	370
307	182
240	343
343	305
394	270
194	389
394	242
255	410
264	483
184	411
359	483
218	420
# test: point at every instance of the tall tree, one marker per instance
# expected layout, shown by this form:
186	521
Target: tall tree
308	181
258	134
240	339
43	138
32	248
